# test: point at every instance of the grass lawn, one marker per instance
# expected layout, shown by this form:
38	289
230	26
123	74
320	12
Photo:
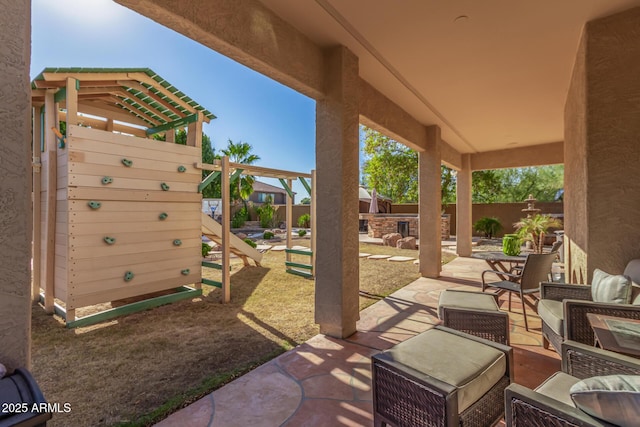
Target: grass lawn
137	369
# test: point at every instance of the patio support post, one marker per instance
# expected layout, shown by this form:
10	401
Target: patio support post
15	185
464	207
336	187
429	204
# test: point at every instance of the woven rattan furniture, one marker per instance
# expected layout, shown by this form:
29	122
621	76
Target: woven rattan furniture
536	269
550	404
441	377
563	309
475	313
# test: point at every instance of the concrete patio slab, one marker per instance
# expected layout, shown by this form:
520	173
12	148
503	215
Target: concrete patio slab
400	258
374	257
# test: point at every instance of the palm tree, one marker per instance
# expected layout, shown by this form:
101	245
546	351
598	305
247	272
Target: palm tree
240	152
532	229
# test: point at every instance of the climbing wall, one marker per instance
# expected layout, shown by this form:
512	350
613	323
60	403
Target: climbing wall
131	210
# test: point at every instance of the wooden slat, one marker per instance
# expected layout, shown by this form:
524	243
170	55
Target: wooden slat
136	248
37	206
119	206
50	215
81	277
226	231
142	165
79	133
131	227
115	218
82	300
254	170
101	109
158	256
93	240
133	152
119	171
89	181
103	194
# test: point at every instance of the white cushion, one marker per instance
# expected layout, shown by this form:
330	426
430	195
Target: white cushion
612	398
610	288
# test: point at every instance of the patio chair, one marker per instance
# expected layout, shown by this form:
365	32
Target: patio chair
536	269
552	403
563	309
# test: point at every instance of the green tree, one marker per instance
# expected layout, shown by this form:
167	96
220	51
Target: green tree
242	187
514	185
392	169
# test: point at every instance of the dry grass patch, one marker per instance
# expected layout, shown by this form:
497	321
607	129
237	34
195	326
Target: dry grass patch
137	369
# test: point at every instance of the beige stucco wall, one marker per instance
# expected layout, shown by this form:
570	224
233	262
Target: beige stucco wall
602	149
15	184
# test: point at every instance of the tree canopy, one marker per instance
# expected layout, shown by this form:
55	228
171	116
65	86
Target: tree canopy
392	169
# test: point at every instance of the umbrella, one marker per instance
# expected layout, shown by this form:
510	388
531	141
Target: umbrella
373	207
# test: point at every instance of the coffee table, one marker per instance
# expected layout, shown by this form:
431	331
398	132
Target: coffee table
616	333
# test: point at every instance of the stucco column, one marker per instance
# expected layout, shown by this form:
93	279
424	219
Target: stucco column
337	278
464	207
430	205
15	185
602	190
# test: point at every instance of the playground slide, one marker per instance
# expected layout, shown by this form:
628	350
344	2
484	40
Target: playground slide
213	230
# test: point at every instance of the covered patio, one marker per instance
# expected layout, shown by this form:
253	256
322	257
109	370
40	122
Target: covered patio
327	381
473	85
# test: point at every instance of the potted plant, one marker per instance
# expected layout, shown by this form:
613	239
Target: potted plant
533	229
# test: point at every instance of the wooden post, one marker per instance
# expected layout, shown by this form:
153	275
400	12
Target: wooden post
312	214
109	125
170	136
289	217
50	121
194	132
72	102
226	231
37	209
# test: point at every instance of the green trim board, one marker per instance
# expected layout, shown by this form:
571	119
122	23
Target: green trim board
300	273
235	175
174	124
57	308
60	95
286	187
208	180
213	265
212	283
183	292
305	184
298	252
298	265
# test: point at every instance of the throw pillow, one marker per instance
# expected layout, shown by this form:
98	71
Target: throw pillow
610	288
612	398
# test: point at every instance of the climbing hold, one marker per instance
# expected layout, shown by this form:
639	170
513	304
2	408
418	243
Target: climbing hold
107	180
177	242
182	169
163	216
185	272
127	162
128	276
164	186
109	240
94	205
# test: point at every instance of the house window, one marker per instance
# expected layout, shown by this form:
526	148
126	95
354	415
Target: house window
262	197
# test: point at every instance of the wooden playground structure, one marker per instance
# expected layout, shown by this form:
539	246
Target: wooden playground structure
116	213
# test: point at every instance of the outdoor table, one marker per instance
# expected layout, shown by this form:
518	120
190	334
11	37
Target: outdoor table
497	260
616	334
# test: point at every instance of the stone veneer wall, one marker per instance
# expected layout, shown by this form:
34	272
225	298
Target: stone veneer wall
379	225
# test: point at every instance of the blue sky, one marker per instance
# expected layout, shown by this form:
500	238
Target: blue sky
277	121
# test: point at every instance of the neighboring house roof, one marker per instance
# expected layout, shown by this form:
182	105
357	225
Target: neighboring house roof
263	187
141	94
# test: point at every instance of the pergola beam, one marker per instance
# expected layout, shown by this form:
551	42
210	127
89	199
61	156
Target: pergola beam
254	170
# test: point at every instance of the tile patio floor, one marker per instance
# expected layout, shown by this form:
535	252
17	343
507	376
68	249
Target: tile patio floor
327	381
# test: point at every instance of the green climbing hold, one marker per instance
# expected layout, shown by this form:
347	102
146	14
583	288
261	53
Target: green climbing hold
109	240
182	169
107	180
127	162
94	205
128	276
185	272
163	216
164	186
177	242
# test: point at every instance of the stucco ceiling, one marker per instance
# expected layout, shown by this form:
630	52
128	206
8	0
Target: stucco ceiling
492	74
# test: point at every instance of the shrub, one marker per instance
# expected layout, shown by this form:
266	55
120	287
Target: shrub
266	213
267	235
304	221
239	218
489	226
205	250
302	233
250	242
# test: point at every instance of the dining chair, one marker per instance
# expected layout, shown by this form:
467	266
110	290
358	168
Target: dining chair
536	269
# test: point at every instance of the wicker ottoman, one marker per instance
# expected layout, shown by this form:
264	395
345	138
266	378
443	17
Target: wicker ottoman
476	313
441	377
